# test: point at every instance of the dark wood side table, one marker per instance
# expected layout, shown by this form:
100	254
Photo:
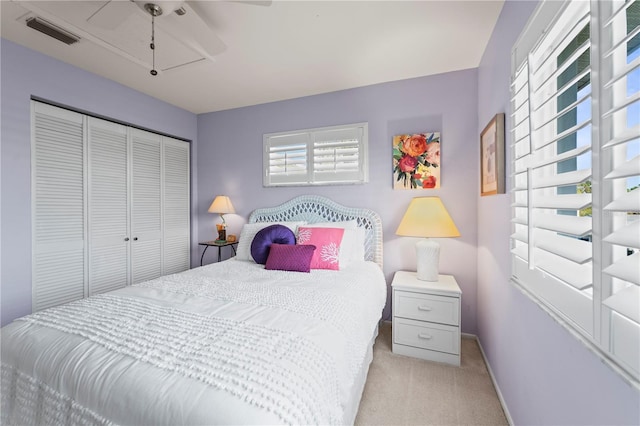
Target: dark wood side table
218	244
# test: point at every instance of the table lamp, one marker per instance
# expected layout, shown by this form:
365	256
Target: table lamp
221	205
427	217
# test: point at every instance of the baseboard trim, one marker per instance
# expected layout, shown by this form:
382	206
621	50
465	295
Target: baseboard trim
493	378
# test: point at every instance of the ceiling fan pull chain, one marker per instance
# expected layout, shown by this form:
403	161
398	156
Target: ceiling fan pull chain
153	45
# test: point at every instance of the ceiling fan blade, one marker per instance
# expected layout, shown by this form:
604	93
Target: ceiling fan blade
112	14
193	31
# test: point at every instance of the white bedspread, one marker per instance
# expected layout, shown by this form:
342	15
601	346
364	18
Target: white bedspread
227	343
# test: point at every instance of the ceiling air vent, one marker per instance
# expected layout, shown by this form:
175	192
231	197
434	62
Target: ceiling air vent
51	30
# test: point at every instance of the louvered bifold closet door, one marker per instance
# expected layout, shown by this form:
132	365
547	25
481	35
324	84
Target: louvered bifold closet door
146	208
621	172
58	228
176	208
108	206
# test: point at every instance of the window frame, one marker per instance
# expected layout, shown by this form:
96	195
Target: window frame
307	138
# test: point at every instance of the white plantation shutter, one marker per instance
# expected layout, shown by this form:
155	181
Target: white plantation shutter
286	158
176	208
108	206
575	147
329	155
58	206
521	148
146	208
620	142
338	155
551	146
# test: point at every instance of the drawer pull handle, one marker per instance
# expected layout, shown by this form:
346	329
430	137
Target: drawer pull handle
425	336
425	308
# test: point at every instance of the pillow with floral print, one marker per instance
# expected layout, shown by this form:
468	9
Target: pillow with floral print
327	242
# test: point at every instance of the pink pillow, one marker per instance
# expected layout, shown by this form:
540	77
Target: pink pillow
327	242
287	257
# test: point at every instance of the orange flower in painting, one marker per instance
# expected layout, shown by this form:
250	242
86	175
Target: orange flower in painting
414	145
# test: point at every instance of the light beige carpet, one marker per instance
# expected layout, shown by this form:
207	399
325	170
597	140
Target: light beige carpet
407	391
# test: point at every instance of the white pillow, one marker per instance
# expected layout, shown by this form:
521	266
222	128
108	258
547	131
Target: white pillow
248	233
358	245
352	245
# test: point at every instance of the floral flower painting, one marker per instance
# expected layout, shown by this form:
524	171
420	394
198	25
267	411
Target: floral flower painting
416	161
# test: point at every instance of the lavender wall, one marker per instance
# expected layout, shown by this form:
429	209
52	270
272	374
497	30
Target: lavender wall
545	375
27	73
230	162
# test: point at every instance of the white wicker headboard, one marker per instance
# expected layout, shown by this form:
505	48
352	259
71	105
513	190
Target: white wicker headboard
314	208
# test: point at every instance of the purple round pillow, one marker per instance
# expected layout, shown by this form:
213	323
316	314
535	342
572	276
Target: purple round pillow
261	243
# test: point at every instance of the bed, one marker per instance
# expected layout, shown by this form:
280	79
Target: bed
227	343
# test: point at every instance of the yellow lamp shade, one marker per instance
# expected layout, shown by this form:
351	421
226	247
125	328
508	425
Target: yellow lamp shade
427	217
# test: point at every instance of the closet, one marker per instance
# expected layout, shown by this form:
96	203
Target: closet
110	205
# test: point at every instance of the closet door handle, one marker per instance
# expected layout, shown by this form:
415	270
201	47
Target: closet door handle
126	238
135	238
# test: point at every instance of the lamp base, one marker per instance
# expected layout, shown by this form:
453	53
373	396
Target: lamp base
427	259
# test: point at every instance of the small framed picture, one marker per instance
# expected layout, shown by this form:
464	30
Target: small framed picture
492	180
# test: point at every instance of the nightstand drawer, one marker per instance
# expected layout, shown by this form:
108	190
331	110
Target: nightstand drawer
426	307
435	337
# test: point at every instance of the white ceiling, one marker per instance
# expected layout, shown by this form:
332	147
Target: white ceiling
284	50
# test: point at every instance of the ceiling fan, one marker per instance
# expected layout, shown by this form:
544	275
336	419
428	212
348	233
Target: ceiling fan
178	18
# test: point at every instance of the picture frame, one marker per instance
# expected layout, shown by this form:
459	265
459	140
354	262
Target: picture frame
416	161
492	179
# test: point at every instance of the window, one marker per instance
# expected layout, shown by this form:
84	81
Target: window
576	171
330	155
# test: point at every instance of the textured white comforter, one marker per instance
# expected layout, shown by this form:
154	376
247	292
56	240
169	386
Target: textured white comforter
224	344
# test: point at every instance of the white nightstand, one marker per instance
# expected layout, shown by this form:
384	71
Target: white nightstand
426	317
